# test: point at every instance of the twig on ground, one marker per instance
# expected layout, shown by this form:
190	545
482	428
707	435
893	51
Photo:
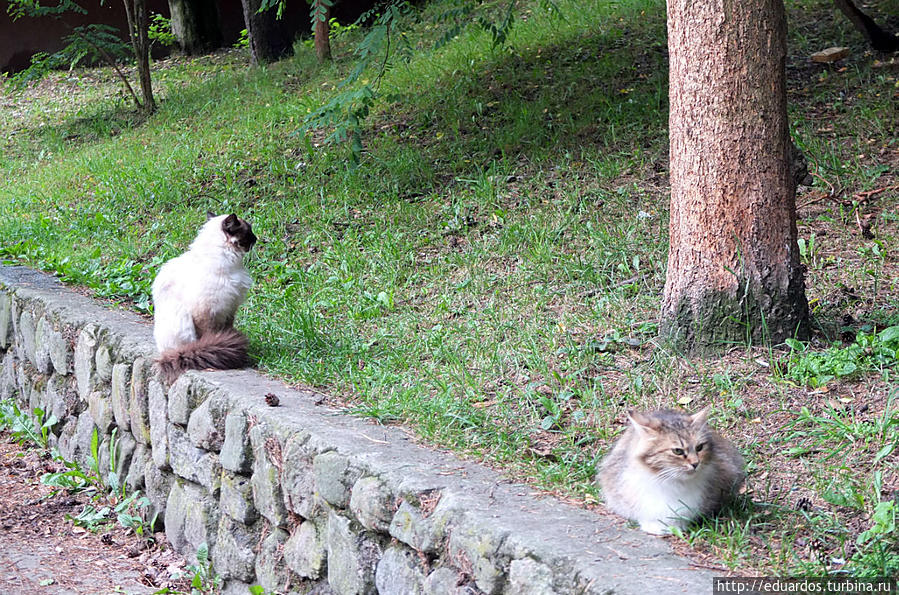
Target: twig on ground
869	193
833	190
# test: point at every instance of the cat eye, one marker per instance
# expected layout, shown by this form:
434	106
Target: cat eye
699	447
678	451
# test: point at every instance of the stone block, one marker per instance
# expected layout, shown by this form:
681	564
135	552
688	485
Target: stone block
271	571
121	396
6	334
191	518
85	350
16	341
306	551
372	503
334	477
192	463
27	332
236	587
35	396
266	479
23	385
139	400
159	425
103	364
8	376
42	361
184	397
237	453
234	556
60	352
99	404
352	557
529	577
236	498
423	531
480	549
75	439
123	446
66	443
298	480
400	571
134	479
157	485
206	426
443	581
61	397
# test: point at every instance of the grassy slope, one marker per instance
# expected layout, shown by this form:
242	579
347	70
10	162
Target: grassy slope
488	271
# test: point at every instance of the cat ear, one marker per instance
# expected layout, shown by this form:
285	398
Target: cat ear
210	215
231	223
642	423
700	418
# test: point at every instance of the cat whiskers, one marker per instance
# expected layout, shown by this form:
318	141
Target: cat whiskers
669	474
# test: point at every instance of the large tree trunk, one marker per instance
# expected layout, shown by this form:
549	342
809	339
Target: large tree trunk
321	11
270	38
733	263
136	13
195	24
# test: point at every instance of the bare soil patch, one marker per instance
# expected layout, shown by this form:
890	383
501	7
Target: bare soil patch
45	553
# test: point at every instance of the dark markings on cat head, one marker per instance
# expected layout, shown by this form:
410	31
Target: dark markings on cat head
671	442
238	232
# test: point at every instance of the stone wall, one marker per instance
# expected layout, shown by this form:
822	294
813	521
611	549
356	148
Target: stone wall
300	498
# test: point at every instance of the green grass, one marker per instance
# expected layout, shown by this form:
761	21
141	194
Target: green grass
491	273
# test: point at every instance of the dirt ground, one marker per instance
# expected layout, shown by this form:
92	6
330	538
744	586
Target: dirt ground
43	552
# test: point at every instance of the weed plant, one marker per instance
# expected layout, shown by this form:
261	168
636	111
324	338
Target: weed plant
110	501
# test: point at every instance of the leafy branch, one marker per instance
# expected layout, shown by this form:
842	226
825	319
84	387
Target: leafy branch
345	113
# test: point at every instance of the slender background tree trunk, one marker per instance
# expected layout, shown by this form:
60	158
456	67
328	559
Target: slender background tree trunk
880	40
195	24
733	263
136	12
322	30
270	39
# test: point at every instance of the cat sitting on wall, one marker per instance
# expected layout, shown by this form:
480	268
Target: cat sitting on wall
668	469
195	298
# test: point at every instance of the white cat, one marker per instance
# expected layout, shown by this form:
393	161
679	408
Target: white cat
195	298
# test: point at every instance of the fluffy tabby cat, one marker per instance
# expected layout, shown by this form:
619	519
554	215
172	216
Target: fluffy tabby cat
195	297
669	468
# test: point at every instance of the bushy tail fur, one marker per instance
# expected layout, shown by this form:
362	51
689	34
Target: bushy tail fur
221	350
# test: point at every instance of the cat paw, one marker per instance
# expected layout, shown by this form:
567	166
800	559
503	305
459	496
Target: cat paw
655	527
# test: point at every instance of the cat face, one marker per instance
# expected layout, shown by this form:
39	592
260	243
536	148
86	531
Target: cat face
672	444
238	232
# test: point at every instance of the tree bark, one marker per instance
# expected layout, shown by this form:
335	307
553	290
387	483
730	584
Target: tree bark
880	40
136	13
270	39
733	261
322	30
195	24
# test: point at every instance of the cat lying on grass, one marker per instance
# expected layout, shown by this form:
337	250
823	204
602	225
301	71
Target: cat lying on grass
668	469
195	298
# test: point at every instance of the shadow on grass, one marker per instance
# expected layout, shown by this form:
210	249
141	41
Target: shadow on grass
599	93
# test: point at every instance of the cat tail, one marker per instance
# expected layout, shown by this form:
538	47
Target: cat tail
220	350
